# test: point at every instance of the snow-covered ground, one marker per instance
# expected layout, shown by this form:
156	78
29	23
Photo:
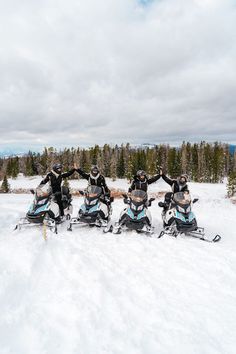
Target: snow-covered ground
86	292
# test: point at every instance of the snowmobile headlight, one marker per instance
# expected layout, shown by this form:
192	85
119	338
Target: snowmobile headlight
188	209
92	202
140	207
133	206
41	202
182	210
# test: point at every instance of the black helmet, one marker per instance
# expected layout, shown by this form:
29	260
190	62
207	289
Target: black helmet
94	172
141	174
57	167
182	180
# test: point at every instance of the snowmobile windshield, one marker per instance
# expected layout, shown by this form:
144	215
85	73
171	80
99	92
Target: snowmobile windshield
138	196
43	191
93	192
182	198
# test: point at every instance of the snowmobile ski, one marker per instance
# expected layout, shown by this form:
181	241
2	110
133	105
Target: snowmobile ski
195	234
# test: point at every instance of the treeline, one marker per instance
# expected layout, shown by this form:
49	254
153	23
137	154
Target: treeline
203	162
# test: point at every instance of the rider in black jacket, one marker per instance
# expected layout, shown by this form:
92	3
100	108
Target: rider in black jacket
141	181
55	176
177	185
95	179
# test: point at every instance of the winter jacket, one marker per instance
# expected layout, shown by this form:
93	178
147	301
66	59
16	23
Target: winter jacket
176	187
142	185
56	179
95	181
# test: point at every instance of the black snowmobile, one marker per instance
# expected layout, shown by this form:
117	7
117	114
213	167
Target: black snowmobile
44	210
136	216
94	211
178	218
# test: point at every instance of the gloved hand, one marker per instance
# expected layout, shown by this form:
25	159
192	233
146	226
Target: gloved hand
126	200
107	198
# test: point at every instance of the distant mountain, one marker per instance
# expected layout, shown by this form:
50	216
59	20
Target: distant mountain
9	152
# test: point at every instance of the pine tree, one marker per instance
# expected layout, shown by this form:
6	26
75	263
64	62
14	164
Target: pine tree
15	168
194	163
30	166
85	162
189	160
129	169
174	166
66	183
121	164
231	185
106	156
207	173
113	167
5	188
151	162
184	160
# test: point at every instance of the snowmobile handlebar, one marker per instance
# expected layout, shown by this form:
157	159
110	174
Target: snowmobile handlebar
111	199
150	201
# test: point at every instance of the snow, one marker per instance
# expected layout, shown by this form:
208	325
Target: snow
85	292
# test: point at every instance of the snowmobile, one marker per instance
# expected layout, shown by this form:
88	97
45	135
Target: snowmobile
95	210
44	210
178	218
136	216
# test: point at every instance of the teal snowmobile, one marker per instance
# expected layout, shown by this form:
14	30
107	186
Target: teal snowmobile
178	218
95	211
136	216
44	210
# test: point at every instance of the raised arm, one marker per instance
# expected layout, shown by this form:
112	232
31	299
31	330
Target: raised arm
46	179
68	174
153	179
168	180
82	173
132	187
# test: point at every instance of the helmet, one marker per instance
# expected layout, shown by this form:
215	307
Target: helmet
94	172
182	180
57	167
141	174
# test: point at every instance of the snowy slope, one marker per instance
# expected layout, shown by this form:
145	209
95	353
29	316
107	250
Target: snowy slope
89	293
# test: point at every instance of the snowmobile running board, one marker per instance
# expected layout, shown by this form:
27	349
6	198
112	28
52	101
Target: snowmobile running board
76	221
50	223
193	234
118	229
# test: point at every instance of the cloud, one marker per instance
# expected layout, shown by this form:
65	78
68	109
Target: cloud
91	72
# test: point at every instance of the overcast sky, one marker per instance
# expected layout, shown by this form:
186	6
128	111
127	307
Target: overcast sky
80	72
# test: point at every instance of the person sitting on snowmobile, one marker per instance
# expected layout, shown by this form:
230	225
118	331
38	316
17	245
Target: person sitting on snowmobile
177	185
55	177
95	178
141	181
